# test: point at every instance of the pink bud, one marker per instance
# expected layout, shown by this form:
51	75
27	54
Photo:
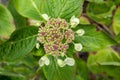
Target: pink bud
66	46
43	33
55	47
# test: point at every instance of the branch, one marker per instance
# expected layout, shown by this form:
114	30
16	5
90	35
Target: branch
100	26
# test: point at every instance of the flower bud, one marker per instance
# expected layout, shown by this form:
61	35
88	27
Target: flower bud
74	21
69	61
44	61
45	16
60	63
80	32
37	45
78	46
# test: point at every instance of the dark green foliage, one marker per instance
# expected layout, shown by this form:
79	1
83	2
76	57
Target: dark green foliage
18	47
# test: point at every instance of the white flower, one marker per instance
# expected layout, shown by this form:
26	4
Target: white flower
74	21
80	32
37	45
69	61
61	63
78	46
34	22
45	16
44	61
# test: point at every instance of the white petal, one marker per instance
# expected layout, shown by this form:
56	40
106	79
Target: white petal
78	46
44	61
60	63
34	22
74	21
37	45
45	16
47	61
41	63
69	61
80	32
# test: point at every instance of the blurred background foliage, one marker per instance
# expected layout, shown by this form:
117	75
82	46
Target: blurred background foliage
97	61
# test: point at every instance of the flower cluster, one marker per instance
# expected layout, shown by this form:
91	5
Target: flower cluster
55	36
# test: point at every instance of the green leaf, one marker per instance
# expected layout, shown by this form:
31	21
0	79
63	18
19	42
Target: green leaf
9	73
110	63
82	69
39	52
93	40
117	2
79	78
96	1
118	38
105	60
54	72
116	21
18	19
30	61
23	68
6	27
84	20
17	78
21	42
64	8
29	8
10	78
101	12
71	49
97	8
54	8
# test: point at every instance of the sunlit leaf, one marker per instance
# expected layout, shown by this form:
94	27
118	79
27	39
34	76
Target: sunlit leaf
64	8
53	8
19	20
116	21
6	27
107	61
118	38
29	8
110	63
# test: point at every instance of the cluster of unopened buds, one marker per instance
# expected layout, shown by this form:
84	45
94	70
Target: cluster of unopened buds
56	35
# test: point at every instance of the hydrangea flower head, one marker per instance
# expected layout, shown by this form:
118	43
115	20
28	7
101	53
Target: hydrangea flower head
55	36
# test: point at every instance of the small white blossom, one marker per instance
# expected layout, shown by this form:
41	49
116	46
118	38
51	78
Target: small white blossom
78	46
37	45
45	16
69	61
34	22
80	32
74	21
44	61
60	63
